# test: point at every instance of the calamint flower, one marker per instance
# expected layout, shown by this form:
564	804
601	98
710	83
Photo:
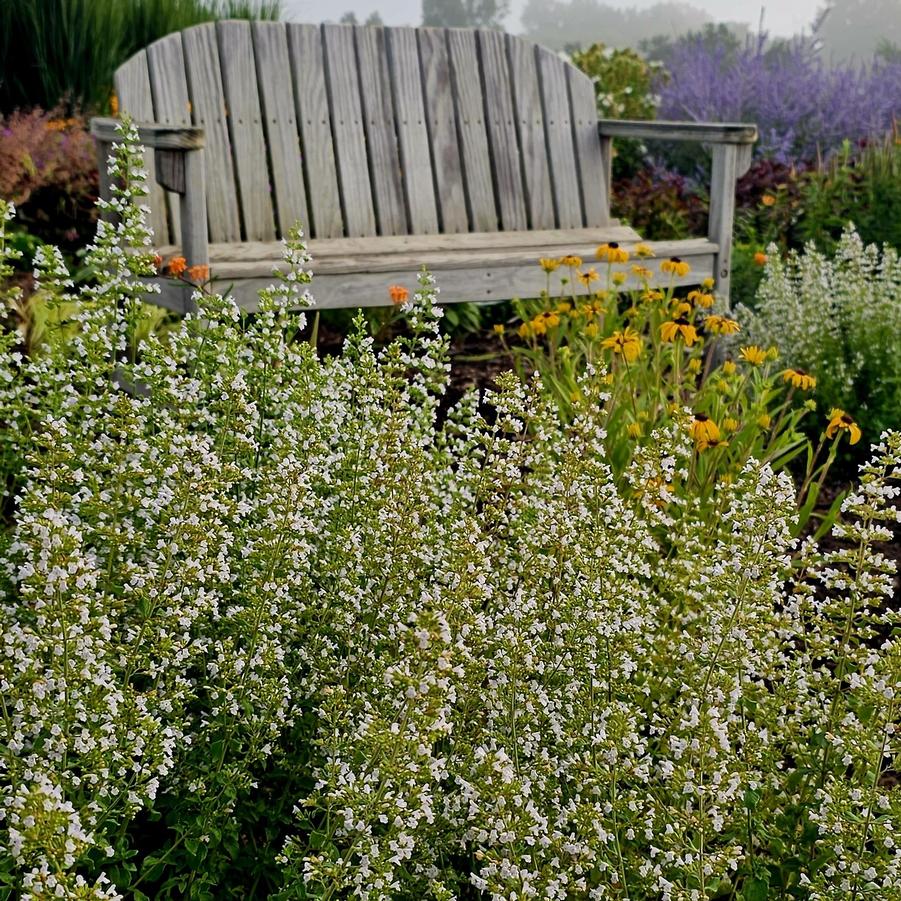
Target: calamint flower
798	378
612	253
177	265
679	327
675	266
549	264
721	325
626	343
753	354
398	294
705	432
840	421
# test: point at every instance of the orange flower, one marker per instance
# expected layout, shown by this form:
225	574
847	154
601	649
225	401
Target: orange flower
199	273
760	258
398	294
157	262
768	200
177	266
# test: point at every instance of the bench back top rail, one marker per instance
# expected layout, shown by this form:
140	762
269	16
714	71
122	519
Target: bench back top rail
356	131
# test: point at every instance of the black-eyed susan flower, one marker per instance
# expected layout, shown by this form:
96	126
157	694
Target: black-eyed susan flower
701	299
499	330
643	251
612	253
675	266
753	354
721	325
634	430
694	365
679	327
654	295
764	420
571	260
588	276
642	272
708	283
626	343
564	306
705	432
840	421
682	308
549	264
731	424
798	378
618	278
591	330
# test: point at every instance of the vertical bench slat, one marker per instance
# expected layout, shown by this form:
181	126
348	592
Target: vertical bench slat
472	130
592	171
308	76
242	98
530	125
498	98
381	135
132	84
441	119
342	79
558	127
270	41
208	109
412	131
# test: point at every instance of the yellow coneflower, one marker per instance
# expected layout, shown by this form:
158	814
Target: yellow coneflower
705	432
798	378
764	420
588	276
634	430
730	424
626	343
753	354
618	278
721	325
612	253
564	306
708	283
525	330
701	299
571	260
652	296
694	366
551	318
642	272
591	330
840	421
679	327
681	309
499	330
675	266
549	264
643	251
729	367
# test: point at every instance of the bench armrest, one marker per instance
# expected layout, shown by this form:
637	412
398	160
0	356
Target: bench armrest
711	132
178	166
732	145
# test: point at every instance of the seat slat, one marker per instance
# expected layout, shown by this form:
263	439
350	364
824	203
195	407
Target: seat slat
311	104
208	109
505	156
273	64
530	124
441	118
242	98
381	134
132	85
593	185
343	83
471	127
558	128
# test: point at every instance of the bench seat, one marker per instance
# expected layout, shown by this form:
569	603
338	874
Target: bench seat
351	272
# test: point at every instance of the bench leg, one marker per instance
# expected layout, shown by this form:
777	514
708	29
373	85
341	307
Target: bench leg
722	212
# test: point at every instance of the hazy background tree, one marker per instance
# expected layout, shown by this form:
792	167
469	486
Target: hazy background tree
856	29
465	13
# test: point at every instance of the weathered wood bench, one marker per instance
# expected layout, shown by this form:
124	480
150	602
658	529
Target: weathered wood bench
470	151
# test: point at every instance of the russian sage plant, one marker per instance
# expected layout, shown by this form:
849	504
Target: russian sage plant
276	626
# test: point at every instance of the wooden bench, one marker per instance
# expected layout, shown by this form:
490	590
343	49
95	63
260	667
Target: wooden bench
470	151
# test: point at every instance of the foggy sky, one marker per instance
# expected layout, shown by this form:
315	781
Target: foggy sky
782	17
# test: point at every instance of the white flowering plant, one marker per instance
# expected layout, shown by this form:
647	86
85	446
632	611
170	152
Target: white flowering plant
276	626
839	318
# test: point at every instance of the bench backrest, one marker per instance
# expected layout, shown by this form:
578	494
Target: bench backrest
357	130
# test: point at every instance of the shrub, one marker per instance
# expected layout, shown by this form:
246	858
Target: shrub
66	51
802	107
839	318
272	627
660	204
48	167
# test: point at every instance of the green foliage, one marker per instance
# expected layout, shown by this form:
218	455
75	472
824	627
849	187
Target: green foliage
839	318
66	51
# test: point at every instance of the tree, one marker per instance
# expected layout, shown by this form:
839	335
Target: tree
465	13
855	29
